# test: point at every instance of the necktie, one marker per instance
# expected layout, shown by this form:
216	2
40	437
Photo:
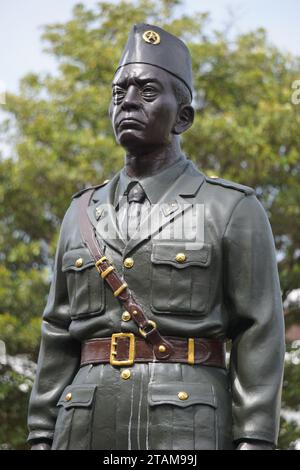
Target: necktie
136	196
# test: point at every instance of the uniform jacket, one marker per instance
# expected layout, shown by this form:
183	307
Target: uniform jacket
228	288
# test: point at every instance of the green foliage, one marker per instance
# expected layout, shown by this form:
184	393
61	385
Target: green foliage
290	396
13	409
246	129
290	431
289	434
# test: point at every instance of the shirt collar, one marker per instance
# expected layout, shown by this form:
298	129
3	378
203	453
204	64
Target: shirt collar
156	185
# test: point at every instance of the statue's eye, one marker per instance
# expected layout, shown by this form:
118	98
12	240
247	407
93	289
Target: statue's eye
118	94
149	92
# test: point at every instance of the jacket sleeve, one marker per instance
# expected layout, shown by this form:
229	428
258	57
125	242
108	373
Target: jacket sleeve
256	327
59	354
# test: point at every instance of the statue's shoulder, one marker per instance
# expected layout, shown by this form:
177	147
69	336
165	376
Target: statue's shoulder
88	188
229	184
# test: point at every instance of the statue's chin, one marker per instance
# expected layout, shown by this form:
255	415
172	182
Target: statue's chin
131	140
136	141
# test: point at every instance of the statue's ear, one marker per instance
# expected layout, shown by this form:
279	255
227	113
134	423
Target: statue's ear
185	119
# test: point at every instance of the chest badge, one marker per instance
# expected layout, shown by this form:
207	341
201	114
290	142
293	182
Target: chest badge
99	212
169	208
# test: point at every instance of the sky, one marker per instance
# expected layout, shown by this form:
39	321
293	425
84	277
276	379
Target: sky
22	21
21	49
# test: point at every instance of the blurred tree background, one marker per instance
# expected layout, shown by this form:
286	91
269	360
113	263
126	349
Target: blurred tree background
246	129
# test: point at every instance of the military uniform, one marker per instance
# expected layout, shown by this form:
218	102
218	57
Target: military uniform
227	288
204	271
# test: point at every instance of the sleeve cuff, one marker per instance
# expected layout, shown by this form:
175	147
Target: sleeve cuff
41	436
240	436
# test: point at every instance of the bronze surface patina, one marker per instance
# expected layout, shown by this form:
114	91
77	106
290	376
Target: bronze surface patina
102	382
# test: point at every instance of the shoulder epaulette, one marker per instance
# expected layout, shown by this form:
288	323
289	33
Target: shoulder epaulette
90	187
230	184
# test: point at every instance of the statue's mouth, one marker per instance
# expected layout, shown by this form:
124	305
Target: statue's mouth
130	123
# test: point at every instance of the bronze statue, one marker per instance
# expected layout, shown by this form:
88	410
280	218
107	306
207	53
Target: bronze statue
150	373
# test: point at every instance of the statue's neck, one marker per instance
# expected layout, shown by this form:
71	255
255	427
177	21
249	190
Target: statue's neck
143	164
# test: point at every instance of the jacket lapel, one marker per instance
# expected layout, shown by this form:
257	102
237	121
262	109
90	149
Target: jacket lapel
171	206
103	216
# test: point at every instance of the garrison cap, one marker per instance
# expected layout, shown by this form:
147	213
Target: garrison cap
148	44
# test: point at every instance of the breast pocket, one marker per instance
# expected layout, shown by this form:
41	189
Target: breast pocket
85	287
182	416
180	278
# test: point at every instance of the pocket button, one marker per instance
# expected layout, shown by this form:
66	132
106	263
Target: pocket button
126	316
183	395
79	263
180	257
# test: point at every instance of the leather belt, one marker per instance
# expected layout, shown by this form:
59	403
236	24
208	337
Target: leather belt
124	349
147	328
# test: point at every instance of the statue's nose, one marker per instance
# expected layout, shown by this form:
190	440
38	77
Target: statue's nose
132	98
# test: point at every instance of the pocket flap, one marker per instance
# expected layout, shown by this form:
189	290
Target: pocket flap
77	396
77	260
195	254
181	394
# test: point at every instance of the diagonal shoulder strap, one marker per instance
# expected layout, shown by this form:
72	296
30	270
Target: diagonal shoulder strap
147	328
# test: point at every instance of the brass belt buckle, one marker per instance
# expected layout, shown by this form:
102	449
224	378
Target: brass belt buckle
113	349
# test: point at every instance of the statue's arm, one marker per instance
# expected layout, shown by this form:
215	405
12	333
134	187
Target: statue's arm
58	357
256	327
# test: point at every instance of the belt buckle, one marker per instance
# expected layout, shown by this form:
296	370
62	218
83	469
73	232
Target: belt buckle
113	349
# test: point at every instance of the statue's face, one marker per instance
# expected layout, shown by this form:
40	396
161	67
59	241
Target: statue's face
143	108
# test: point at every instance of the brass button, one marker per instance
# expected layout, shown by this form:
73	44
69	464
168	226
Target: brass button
180	257
68	397
79	263
125	374
162	348
183	395
128	262
126	316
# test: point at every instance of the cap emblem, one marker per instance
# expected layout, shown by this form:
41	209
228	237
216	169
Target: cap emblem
151	37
